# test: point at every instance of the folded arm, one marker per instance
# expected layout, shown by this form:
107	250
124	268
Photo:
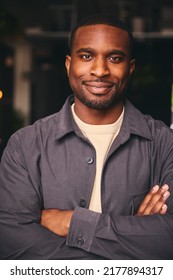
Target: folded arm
58	221
88	229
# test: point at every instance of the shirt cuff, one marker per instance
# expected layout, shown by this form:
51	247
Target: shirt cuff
82	228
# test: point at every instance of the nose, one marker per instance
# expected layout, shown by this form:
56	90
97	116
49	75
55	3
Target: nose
99	68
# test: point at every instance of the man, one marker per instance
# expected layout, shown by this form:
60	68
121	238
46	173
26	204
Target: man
94	180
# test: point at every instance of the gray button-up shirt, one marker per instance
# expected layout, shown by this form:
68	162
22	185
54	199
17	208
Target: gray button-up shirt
50	164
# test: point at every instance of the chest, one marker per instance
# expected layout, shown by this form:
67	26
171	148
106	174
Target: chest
68	173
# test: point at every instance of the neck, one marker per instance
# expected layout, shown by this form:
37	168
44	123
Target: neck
98	117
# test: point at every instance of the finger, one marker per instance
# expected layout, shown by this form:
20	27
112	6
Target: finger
159	204
163	189
147	199
154	200
163	209
156	204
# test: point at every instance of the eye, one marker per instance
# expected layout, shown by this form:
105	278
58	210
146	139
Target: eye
86	57
115	59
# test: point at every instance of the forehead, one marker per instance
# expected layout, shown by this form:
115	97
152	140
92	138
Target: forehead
101	36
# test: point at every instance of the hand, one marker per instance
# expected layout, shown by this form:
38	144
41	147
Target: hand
154	201
57	221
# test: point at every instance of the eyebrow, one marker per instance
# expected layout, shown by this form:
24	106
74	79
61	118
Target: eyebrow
88	50
110	52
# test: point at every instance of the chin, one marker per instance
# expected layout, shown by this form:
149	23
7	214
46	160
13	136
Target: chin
99	104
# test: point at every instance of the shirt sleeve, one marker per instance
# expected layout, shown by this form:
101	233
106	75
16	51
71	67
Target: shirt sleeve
21	235
122	237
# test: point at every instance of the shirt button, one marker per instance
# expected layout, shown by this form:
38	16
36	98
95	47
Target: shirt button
80	241
89	160
82	203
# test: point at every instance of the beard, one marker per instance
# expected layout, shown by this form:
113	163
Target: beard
99	102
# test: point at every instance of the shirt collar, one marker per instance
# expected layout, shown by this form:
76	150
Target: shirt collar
134	121
64	122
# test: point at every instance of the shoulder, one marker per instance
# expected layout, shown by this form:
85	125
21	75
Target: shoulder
159	129
145	125
43	132
29	140
44	126
48	127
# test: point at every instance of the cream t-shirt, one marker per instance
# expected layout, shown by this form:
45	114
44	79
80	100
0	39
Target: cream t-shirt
101	137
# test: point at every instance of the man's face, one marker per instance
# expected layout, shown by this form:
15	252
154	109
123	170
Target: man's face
100	66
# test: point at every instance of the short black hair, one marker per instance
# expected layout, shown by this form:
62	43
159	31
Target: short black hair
102	19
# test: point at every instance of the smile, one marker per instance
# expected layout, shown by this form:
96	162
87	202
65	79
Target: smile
98	87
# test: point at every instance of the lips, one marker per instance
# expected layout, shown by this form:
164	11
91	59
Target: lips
98	87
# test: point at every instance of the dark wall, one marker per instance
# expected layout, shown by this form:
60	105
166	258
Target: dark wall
151	84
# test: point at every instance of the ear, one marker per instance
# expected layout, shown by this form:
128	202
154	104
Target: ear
67	63
132	65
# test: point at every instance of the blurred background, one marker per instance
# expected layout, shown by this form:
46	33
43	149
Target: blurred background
33	44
